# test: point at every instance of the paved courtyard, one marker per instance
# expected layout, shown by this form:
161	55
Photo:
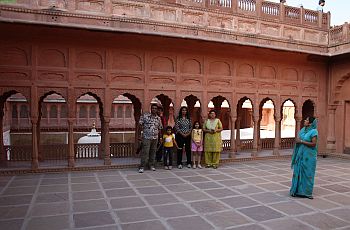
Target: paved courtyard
245	195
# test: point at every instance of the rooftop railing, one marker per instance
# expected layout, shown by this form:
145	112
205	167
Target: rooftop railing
257	8
339	34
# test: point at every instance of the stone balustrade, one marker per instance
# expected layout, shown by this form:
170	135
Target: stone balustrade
249	22
339	39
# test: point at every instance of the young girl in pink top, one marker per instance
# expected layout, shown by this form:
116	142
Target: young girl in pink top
197	144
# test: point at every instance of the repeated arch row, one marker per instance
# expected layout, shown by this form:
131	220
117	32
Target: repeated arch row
164	98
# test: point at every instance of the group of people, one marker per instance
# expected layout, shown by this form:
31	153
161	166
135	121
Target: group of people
196	139
188	137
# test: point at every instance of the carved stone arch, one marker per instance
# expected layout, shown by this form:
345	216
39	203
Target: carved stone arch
89	60
241	100
268	72
43	92
162	64
339	86
245	70
220	68
225	96
197	95
13	56
52	57
289	74
263	101
192	66
138	94
127	61
309	76
6	92
308	108
153	94
284	99
191	100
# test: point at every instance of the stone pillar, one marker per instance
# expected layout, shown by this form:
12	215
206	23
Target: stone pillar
298	120
106	142
233	148
331	129
256	138
35	149
3	160
101	146
71	152
282	12
277	135
238	134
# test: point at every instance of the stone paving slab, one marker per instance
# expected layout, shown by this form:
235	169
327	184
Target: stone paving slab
250	195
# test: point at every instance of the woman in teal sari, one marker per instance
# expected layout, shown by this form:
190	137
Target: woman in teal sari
304	160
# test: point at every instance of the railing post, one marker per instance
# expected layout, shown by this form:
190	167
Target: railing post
345	31
302	15
320	13
258	7
234	6
276	147
35	150
282	12
107	157
71	152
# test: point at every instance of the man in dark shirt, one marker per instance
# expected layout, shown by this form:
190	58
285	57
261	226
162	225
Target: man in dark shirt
151	125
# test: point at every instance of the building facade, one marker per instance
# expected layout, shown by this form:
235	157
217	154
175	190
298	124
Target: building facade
175	50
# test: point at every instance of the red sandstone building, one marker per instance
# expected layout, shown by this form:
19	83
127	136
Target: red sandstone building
67	64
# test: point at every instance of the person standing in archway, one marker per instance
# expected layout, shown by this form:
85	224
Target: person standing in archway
304	160
151	125
212	140
183	128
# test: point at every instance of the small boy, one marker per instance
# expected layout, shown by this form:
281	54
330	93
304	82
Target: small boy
168	141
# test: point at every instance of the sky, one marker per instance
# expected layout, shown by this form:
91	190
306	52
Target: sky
339	8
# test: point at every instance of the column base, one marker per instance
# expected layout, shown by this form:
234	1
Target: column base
276	152
71	163
107	161
254	153
3	163
330	147
35	164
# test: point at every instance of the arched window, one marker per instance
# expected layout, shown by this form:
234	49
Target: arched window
120	112
23	111
83	112
53	111
128	111
14	111
93	111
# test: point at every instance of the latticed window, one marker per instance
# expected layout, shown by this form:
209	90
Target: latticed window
128	111
93	111
83	112
53	111
120	112
23	111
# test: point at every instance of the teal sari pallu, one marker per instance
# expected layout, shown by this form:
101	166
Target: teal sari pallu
304	163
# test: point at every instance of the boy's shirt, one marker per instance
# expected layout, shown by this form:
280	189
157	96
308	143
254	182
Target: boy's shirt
168	140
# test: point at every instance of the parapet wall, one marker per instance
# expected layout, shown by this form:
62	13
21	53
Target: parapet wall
246	22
